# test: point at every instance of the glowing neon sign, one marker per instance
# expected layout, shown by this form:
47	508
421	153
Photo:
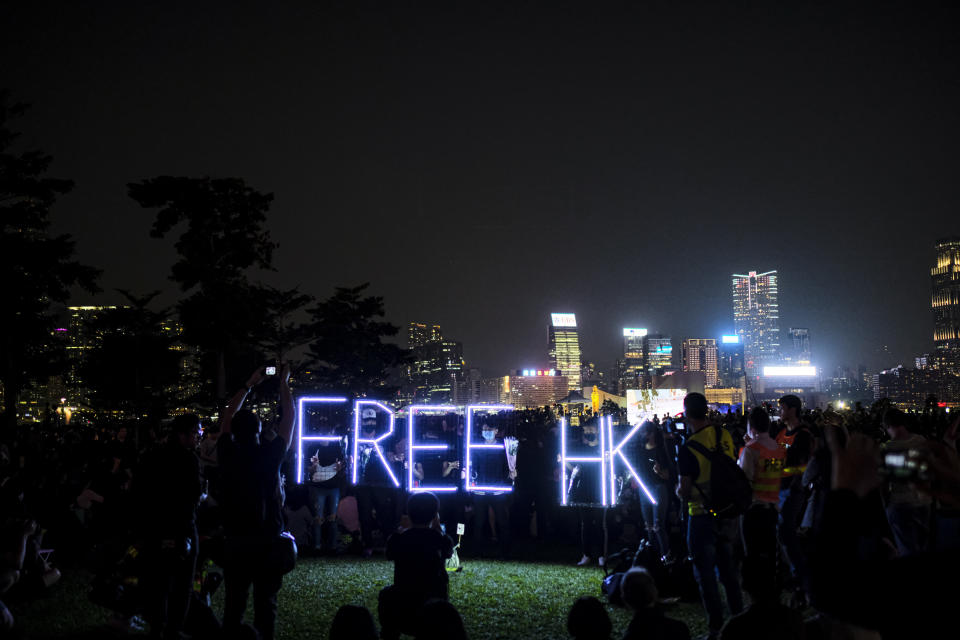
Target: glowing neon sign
358	439
411	447
487	448
730	339
618	452
302	438
563	319
790	371
639	333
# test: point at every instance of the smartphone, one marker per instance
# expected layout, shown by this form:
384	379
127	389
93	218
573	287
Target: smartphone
271	371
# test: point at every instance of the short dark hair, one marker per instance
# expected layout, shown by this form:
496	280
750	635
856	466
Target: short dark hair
759	420
894	418
638	588
791	401
695	405
353	622
588	619
440	620
422	508
245	424
186	424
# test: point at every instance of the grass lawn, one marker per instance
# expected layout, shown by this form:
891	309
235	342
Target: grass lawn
496	599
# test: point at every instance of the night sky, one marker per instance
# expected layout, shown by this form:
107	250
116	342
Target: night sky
486	164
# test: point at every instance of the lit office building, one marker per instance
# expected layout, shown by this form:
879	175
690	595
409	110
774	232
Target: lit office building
657	354
532	388
564	347
632	352
435	367
700	354
756	317
730	361
798	346
419	334
945	302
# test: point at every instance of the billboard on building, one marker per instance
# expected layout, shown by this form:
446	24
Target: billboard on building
643	404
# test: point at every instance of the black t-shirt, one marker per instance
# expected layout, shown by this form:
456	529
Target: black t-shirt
418	556
584	480
489	468
252	497
646	459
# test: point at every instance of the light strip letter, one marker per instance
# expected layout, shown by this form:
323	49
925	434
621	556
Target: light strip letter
375	442
467	437
618	451
411	447
302	438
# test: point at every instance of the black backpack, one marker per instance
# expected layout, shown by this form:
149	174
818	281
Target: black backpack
730	490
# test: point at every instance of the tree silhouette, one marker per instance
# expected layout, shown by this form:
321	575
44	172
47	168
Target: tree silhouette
224	238
36	269
348	354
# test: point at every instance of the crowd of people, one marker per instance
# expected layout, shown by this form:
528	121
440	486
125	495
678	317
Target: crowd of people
842	510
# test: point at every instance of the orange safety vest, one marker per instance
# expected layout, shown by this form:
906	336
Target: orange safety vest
767	471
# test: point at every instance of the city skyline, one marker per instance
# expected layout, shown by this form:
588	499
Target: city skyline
587	142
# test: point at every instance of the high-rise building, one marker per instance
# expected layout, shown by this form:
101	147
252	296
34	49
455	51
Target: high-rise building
700	354
756	317
564	347
730	361
419	334
436	364
798	349
657	354
532	388
945	302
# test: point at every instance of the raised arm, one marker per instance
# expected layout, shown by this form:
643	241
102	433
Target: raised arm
285	428
237	401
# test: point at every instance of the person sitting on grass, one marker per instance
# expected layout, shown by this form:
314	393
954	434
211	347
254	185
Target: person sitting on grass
353	622
639	592
419	571
440	620
588	620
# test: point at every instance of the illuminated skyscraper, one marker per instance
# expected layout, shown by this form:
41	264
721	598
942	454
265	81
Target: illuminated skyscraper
633	351
436	363
700	354
564	347
945	302
756	318
657	354
797	350
730	363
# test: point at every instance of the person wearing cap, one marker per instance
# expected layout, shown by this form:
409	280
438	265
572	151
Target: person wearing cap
710	539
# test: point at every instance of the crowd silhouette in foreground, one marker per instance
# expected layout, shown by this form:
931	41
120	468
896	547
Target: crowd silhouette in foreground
786	522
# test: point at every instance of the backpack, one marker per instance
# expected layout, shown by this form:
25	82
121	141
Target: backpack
730	490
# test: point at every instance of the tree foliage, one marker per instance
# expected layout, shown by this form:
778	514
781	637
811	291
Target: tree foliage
37	269
348	353
223	237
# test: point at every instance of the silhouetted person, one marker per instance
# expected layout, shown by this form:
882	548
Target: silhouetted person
588	620
639	592
766	617
252	506
440	620
419	570
168	488
352	622
797	439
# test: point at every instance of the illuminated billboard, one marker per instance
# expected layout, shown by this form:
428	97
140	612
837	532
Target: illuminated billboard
528	373
798	372
730	339
629	333
643	404
563	319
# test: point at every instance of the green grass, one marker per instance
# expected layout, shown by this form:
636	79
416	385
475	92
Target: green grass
496	599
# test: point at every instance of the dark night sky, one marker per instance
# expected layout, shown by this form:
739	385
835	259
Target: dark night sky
487	164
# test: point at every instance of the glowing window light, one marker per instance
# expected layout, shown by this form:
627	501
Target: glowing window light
302	438
730	339
618	451
790	371
470	411
411	412
602	459
375	442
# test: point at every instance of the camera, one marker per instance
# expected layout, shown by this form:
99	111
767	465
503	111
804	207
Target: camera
270	371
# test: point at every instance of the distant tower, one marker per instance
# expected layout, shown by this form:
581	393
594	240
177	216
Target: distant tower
564	345
700	354
756	318
945	302
657	354
799	351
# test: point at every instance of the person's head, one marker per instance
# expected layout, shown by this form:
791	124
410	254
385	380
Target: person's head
368	422
758	422
638	589
489	433
790	406
895	423
591	432
422	508
122	434
649	432
352	622
245	425
186	429
588	619
759	579
695	406
440	620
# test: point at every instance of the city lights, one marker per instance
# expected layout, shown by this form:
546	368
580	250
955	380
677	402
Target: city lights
730	339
